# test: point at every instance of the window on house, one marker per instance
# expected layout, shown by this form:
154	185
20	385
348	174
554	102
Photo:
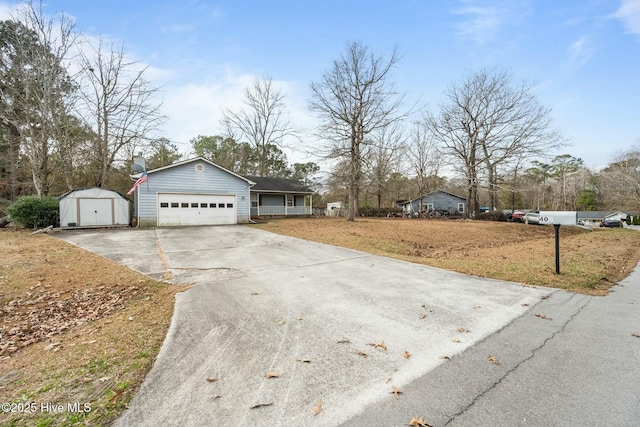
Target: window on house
184	205
289	200
221	205
429	207
461	207
212	205
194	205
229	205
175	205
164	205
203	205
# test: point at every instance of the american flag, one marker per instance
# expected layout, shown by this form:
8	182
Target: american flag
143	178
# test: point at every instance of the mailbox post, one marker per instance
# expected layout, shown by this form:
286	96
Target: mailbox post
558	218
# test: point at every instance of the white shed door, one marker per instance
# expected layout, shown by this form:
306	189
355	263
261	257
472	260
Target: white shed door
95	212
196	209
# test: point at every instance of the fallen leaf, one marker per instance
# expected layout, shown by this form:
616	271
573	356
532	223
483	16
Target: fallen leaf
395	391
406	354
424	306
493	359
272	375
189	300
282	322
382	345
130	318
342	341
525	305
542	316
445	357
52	346
418	422
299	359
422	315
456	340
258	405
387	379
103	379
477	306
544	297
317	408
255	293
215	396
363	354
463	330
212	379
116	395
634	334
299	318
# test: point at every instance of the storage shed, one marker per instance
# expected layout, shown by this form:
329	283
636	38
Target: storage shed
94	207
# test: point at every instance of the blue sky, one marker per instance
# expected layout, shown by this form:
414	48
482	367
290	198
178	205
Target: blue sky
584	55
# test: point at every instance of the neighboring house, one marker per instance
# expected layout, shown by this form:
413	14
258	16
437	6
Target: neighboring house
192	192
279	197
94	207
594	218
437	201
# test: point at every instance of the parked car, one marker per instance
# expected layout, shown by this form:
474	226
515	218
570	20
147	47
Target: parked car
516	216
611	223
531	218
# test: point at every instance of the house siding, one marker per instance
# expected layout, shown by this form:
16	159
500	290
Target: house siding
185	179
440	201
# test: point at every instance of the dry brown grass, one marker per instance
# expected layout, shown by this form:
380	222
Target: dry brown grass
102	357
591	262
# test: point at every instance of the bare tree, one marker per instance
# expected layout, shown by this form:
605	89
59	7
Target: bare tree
384	154
620	180
36	88
354	99
263	122
425	158
118	103
489	120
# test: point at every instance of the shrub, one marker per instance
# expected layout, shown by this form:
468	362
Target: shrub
34	211
492	216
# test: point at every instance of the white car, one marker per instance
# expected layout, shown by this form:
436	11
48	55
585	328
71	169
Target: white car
531	218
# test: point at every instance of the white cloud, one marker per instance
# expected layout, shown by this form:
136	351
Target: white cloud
485	18
481	22
629	14
580	52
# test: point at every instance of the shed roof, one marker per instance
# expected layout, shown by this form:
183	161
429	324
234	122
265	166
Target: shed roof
278	185
94	189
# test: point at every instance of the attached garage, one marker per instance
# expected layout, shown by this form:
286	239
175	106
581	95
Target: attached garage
196	209
94	207
192	192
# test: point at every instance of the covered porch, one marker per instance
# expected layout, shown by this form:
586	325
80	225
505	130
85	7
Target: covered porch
280	204
279	197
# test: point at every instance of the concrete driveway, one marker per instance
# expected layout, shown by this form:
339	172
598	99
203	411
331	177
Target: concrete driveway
262	302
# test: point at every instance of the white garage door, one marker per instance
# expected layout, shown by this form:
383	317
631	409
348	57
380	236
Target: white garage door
196	209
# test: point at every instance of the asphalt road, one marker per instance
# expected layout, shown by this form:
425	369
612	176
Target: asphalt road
482	352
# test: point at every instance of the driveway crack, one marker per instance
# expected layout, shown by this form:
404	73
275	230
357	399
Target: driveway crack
513	369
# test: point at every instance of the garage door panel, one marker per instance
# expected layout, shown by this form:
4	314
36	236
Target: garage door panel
196	209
